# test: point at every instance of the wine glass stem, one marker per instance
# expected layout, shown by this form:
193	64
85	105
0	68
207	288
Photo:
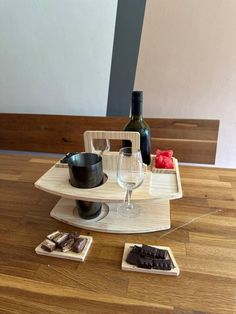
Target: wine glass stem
129	192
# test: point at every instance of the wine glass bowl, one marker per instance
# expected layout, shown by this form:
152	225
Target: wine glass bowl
130	175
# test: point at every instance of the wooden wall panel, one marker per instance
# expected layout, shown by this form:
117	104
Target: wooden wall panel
192	140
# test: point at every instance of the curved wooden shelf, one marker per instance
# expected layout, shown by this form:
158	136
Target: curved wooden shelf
152	218
165	185
159	187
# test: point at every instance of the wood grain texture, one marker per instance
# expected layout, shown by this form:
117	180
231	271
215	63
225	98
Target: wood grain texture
162	186
156	187
154	216
193	140
202	239
90	136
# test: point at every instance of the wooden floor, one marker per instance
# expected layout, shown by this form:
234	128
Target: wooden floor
202	238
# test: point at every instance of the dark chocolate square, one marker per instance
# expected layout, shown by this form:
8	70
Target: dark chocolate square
144	262
148	251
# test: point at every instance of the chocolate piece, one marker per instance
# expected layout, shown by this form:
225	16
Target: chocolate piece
132	258
48	245
133	255
74	235
150	251
53	235
136	249
66	245
161	254
147	250
162	264
63	236
79	245
145	263
167	265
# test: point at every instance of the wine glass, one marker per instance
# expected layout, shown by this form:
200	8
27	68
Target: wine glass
130	175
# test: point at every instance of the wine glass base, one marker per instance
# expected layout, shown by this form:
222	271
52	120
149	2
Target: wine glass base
129	212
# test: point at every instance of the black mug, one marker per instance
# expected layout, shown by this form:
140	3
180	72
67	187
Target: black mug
85	170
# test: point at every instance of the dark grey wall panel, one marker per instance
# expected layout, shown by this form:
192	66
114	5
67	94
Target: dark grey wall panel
129	22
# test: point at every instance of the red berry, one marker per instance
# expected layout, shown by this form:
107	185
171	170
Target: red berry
167	153
168	163
164	162
159	162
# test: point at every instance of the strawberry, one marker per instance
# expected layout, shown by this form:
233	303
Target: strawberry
164	159
167	153
168	163
159	162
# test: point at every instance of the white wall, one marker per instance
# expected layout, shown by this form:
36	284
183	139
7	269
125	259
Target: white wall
55	55
187	65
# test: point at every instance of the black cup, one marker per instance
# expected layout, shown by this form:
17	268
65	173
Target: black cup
88	210
85	170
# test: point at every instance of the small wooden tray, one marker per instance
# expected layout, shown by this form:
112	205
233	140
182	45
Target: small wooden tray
80	257
125	266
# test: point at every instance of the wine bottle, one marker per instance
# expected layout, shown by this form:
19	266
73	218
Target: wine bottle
137	124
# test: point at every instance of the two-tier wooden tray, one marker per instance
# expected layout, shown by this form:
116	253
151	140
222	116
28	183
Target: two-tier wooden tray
154	195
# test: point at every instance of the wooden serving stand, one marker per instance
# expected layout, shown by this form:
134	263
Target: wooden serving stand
154	195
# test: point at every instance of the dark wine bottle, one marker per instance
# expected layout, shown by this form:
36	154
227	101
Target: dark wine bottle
137	124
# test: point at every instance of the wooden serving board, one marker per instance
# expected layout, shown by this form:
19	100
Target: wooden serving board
80	257
125	266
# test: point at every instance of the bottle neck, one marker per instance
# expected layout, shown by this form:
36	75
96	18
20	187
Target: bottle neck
137	110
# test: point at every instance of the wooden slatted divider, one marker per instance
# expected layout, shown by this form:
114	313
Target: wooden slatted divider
193	140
